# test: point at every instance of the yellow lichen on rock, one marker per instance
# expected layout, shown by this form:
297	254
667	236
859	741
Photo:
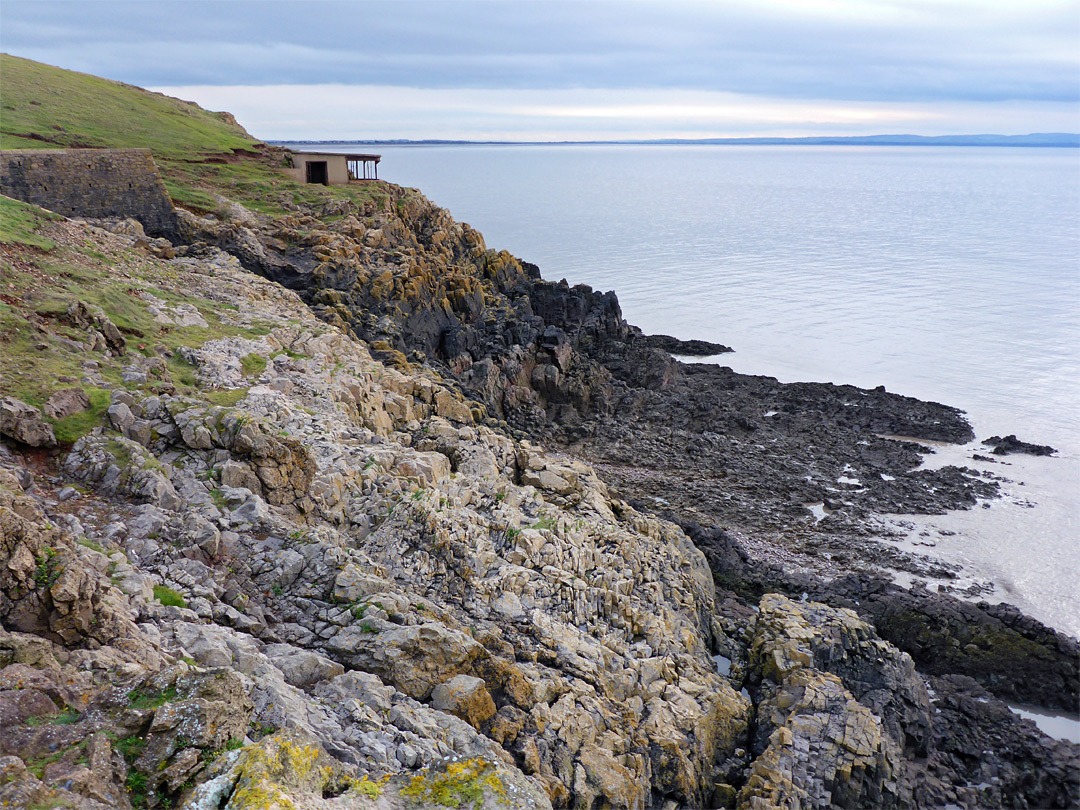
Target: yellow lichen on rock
277	770
460	784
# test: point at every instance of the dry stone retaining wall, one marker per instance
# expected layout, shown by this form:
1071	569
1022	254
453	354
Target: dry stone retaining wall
90	183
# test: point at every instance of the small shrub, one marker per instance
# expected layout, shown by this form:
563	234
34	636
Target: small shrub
47	571
137	786
131	748
67	717
365	787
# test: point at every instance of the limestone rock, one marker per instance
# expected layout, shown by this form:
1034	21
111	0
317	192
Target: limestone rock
23	423
66	402
414	659
830	752
465	696
302	668
791	635
88	316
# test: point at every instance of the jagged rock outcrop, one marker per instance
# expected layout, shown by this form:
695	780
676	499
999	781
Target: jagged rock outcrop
290	566
350	556
1009	653
844	720
818	740
558	364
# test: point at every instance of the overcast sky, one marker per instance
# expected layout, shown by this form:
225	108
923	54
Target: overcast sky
500	69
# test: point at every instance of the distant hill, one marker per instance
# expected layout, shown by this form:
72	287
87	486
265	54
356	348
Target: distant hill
1055	139
1035	139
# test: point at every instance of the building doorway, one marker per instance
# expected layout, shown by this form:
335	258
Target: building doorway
316	172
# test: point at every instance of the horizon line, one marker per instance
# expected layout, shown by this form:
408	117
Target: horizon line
1035	139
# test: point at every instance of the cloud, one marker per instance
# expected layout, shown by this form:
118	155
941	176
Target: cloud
884	61
880	50
349	112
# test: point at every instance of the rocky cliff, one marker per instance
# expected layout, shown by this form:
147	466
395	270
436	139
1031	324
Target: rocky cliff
324	504
276	565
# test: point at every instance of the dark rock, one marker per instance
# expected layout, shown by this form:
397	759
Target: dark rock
1012	655
691	348
1010	444
1024	768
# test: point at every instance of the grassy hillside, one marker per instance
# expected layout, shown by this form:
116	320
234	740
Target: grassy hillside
45	106
201	154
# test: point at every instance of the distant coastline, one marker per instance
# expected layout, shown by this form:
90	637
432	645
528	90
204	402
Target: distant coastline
1037	139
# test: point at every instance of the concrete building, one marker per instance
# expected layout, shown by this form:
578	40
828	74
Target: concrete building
333	169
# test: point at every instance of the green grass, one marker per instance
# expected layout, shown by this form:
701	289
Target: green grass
259	185
72	428
253	365
45	285
169	597
48	107
67	717
152	699
226	398
19	221
86	542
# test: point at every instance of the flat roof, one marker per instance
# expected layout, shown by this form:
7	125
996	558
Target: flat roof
375	158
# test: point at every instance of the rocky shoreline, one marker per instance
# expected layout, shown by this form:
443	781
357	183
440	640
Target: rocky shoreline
314	552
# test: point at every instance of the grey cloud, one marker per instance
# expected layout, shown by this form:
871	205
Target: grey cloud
920	52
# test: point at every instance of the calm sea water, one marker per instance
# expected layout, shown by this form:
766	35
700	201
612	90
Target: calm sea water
950	274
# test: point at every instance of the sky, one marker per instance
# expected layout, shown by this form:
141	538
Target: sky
604	69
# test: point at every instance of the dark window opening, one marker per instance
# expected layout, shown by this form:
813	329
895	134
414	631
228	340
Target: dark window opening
316	172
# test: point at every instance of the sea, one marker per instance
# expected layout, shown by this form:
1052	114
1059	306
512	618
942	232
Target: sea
945	273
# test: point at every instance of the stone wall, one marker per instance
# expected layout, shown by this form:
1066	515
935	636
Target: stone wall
94	183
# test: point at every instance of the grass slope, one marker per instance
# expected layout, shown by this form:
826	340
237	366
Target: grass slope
202	155
48	107
19	223
45	266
